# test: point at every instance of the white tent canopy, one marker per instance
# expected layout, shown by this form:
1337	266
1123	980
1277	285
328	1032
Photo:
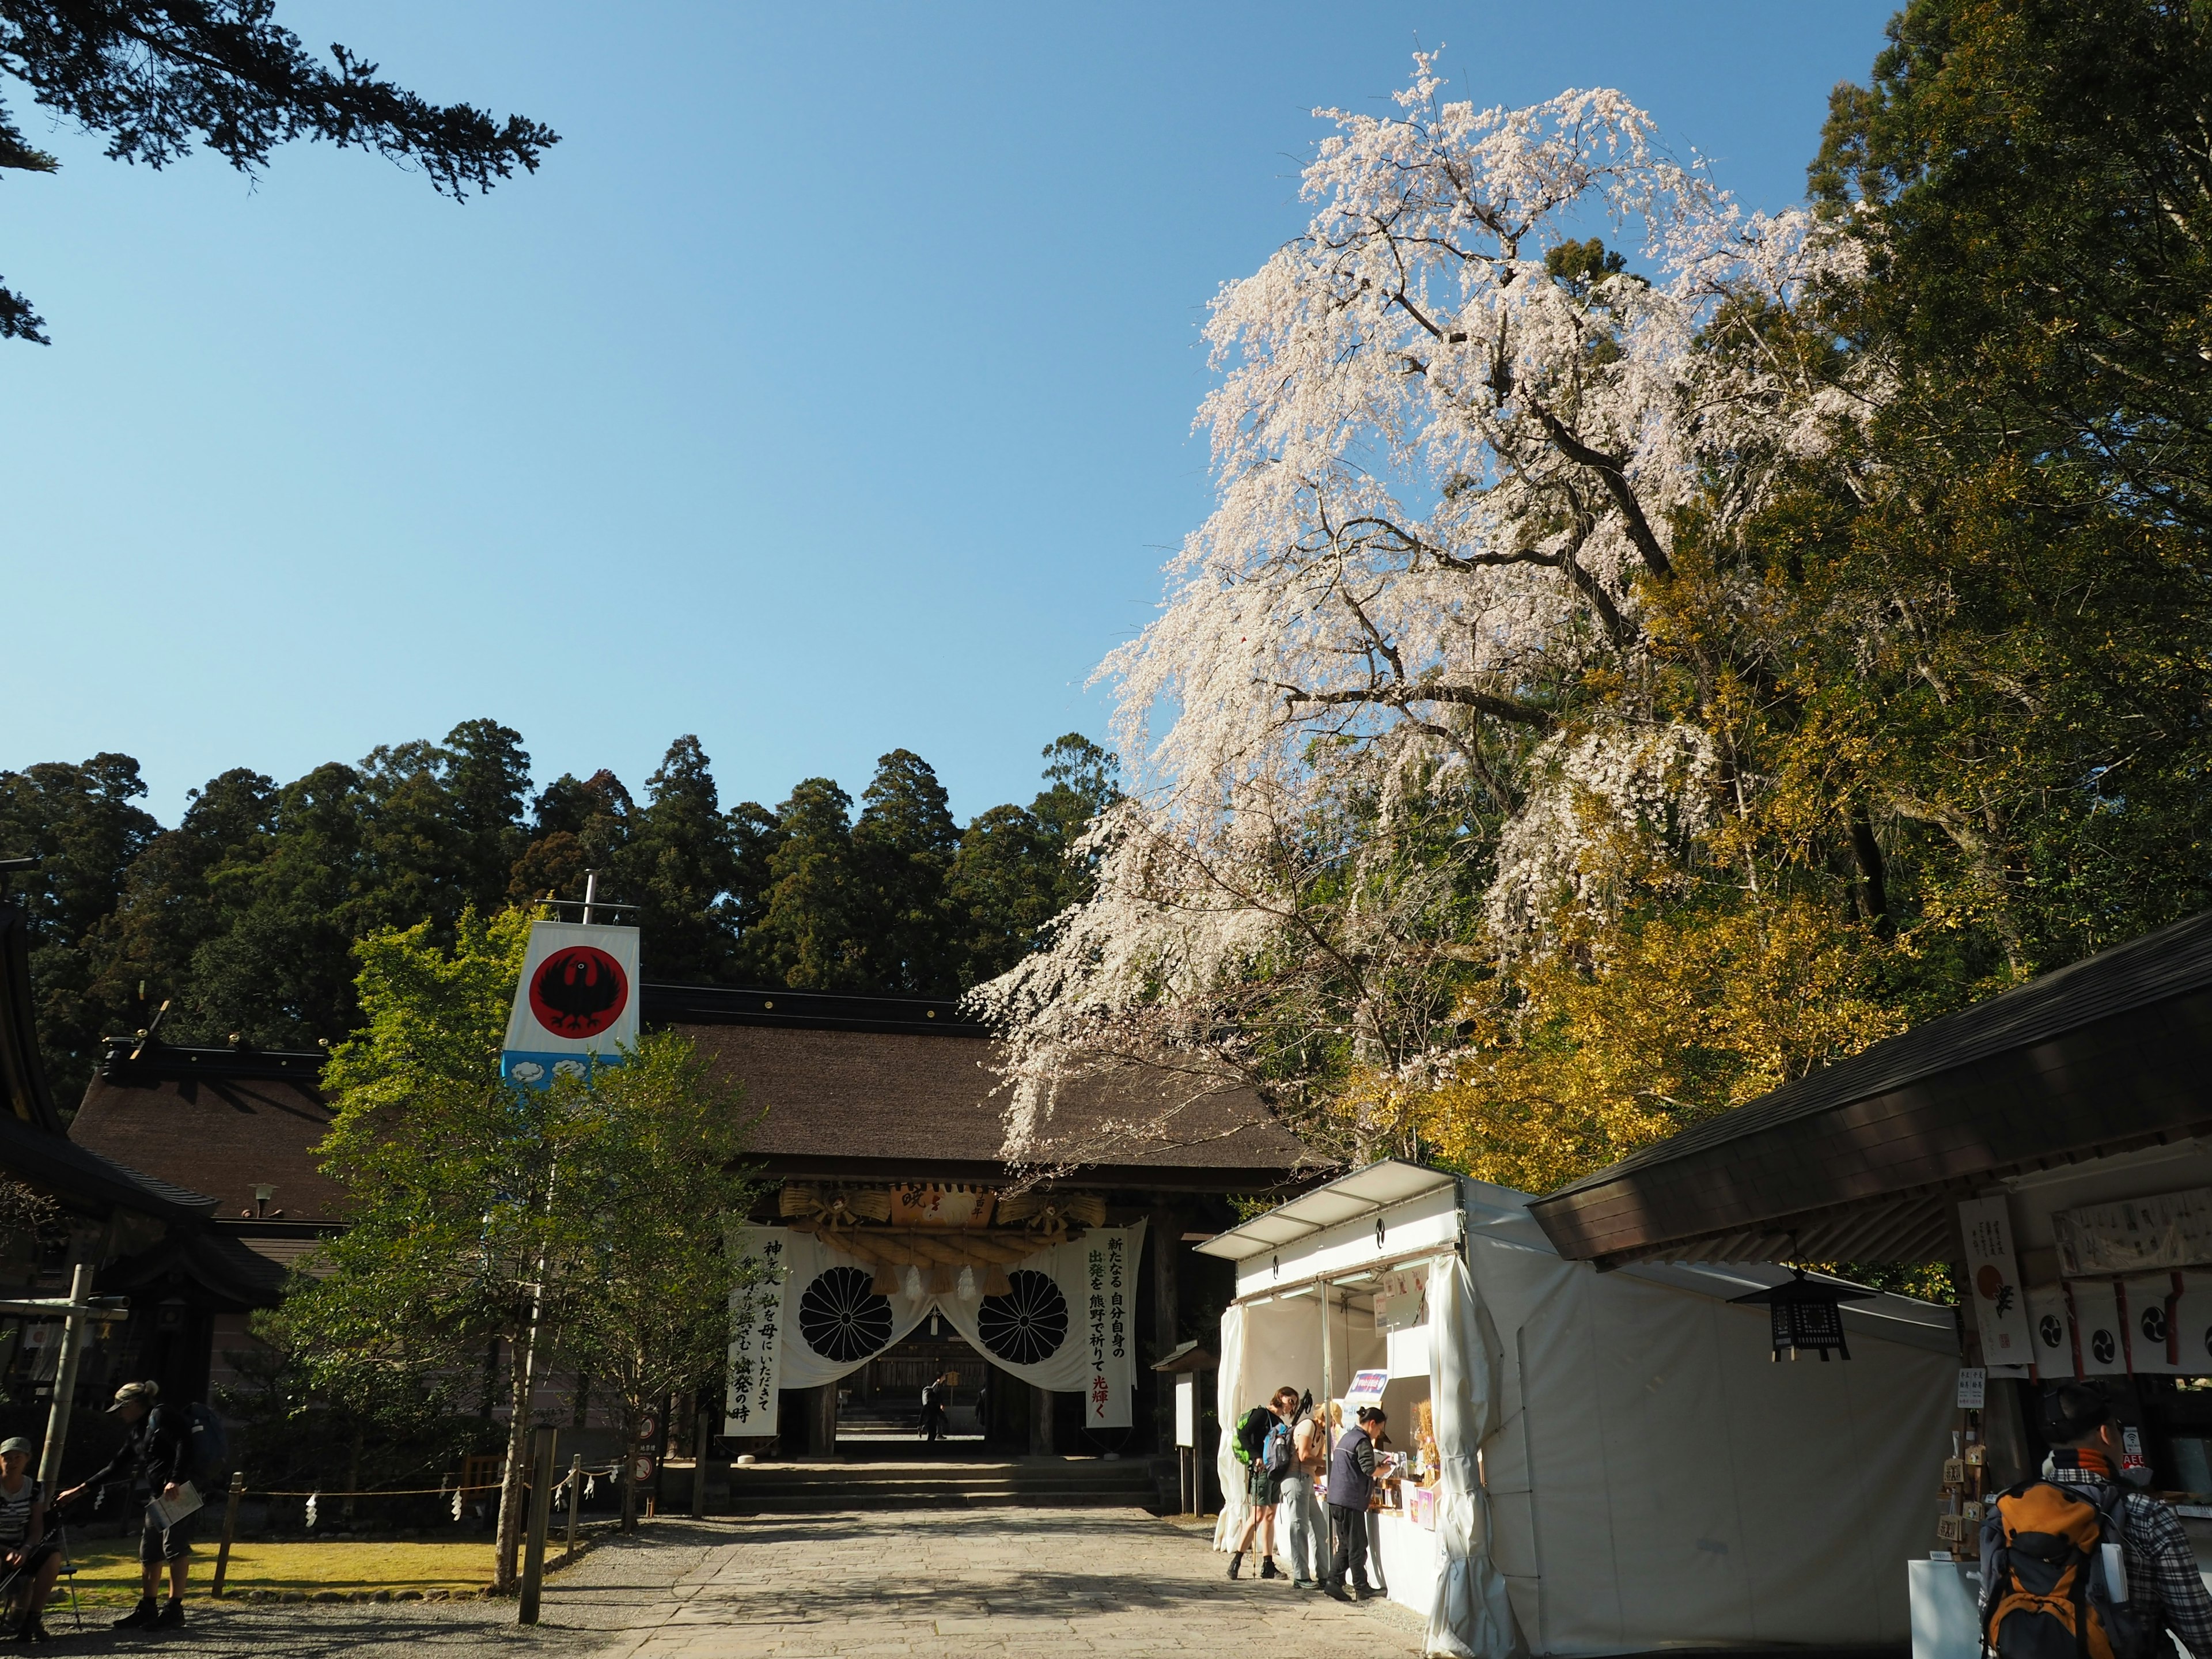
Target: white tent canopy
1646	1476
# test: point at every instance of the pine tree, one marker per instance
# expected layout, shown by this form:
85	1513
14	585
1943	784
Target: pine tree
903	846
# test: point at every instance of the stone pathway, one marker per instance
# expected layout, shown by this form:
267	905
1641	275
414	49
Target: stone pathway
947	1584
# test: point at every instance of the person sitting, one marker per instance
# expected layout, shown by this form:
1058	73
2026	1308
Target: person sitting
32	1559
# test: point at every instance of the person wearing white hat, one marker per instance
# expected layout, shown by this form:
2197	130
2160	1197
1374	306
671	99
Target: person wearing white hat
31	1559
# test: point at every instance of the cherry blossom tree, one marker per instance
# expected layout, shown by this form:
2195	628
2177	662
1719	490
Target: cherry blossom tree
1398	704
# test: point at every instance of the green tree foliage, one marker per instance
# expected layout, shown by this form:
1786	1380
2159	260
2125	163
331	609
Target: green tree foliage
657	1143
1016	868
564	1225
159	76
82	825
809	937
1957	671
902	850
243	917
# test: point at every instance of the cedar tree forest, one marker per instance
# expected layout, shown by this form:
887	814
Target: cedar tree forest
243	915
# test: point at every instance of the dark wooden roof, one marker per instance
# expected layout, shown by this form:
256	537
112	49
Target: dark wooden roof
219	1121
1858	1161
874	1088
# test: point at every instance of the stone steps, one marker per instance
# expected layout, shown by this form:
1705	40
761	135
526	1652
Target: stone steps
817	1488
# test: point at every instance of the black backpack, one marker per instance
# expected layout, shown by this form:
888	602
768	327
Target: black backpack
210	1460
1252	1433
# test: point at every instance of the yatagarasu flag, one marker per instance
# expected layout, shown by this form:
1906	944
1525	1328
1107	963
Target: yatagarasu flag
577	1003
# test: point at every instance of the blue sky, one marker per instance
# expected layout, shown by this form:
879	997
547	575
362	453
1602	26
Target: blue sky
827	392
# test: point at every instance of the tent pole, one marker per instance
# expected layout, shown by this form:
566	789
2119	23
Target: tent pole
1327	1371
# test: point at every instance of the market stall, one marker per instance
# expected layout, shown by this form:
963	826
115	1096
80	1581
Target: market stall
2053	1144
1591	1463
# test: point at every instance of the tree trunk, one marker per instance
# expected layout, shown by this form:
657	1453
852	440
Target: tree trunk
353	1476
633	1413
509	1540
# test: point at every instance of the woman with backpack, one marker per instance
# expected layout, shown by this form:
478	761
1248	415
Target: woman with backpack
1263	1446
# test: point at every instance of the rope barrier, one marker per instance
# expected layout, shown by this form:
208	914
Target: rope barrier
410	1492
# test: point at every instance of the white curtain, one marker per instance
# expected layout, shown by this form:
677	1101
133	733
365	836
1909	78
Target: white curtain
809	1257
1069	1368
1471	1618
1229	1388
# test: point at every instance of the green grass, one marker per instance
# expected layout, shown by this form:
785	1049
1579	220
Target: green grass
107	1569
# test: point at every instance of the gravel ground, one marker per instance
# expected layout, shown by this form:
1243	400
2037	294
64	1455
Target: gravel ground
615	1590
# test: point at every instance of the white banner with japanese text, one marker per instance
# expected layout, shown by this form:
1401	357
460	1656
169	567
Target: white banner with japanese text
1993	1283
756	1331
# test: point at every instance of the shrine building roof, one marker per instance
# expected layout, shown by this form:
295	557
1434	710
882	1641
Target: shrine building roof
875	1088
223	1121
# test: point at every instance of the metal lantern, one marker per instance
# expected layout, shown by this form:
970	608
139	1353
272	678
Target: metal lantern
1807	1315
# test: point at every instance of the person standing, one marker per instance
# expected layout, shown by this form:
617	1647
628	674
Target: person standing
155	1457
32	1559
2164	1591
1351	1484
1257	1433
1305	1531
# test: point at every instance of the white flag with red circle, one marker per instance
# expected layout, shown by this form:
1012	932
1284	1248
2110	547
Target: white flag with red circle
577	1003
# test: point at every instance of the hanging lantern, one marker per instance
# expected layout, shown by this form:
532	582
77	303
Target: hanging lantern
1807	1315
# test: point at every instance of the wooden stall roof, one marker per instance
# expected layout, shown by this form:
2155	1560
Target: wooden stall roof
875	1088
220	1121
1859	1161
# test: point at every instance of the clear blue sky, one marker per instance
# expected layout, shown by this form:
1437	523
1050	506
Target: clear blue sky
827	392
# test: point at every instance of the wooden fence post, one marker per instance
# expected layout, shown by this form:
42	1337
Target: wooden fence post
541	1509
230	1531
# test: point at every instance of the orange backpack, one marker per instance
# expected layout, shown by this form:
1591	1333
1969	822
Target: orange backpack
2054	1575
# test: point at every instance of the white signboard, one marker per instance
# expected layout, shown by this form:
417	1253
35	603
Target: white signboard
1402	1299
1185	1410
1993	1282
2097	1327
1973	1388
1366	1389
2173	1230
756	1333
2051	1317
576	1004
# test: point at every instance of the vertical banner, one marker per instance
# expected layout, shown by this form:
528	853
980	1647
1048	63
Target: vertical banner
1993	1281
1113	1372
756	1331
576	1006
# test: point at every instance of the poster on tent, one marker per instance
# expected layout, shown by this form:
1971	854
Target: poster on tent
575	1005
756	1331
1064	1322
1993	1276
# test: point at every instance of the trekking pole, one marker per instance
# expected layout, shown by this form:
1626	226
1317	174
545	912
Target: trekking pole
230	1531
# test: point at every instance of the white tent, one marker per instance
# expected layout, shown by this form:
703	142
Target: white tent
1646	1476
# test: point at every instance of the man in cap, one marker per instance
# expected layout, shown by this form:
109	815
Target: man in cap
1351	1484
30	1557
155	1457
